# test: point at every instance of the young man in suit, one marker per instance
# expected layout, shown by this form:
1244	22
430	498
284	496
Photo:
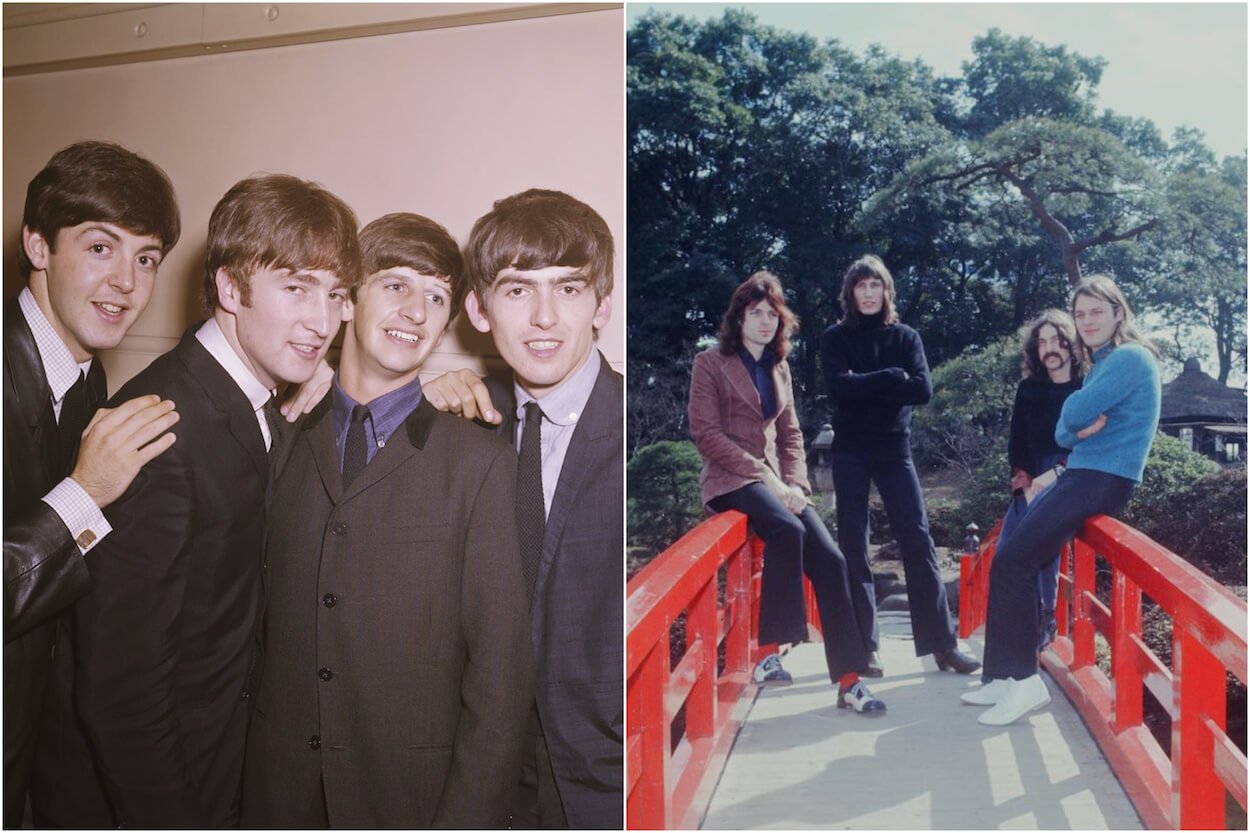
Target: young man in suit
540	268
97	222
151	692
392	571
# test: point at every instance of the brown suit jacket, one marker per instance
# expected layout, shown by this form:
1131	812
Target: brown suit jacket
395	651
737	443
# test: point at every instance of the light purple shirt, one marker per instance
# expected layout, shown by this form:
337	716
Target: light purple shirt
68	500
561	407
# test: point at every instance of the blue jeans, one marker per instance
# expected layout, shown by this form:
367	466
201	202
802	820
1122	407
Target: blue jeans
899	487
1048	575
1011	627
794	546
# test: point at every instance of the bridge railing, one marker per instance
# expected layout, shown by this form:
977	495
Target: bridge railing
1188	789
711	575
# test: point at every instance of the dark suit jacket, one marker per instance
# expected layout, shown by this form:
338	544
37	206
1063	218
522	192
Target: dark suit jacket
150	691
577	618
395	633
44	572
735	440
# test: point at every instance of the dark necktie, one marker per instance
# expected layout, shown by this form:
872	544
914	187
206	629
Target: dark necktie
355	455
531	516
274	419
75	414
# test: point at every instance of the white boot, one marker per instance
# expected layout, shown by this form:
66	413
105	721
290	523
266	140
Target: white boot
1024	696
988	694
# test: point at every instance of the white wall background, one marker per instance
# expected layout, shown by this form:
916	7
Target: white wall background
441	122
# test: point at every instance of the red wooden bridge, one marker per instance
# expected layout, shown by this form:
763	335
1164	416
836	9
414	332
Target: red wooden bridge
702	695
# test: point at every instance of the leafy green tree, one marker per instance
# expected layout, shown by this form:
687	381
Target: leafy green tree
1011	78
1081	184
1198	265
664	498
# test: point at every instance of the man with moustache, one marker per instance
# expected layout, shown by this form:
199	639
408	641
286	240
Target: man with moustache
151	690
397	675
97	222
1051	374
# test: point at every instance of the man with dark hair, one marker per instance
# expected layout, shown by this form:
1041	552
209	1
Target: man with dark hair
540	267
1051	374
97	223
875	370
151	691
393	574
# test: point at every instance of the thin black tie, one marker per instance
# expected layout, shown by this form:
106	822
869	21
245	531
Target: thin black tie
355	455
531	515
273	419
73	421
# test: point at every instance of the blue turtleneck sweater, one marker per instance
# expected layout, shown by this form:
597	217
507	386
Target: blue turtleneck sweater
1124	385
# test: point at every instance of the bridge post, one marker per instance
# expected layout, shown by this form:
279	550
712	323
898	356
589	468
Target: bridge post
738	612
1063	600
649	800
701	631
1126	710
1198	692
1083	626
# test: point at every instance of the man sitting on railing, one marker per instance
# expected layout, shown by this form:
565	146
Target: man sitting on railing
743	420
1051	374
1109	424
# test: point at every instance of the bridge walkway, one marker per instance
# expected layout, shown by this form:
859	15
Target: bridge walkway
801	763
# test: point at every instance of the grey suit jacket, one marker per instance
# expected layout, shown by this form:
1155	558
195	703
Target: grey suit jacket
577	619
395	662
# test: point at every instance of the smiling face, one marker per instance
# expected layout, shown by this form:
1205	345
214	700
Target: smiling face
1096	320
95	284
759	326
286	329
543	320
397	319
869	295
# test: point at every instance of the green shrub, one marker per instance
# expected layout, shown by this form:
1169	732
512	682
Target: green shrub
947	522
971	406
1203	522
1171	471
987	493
664	500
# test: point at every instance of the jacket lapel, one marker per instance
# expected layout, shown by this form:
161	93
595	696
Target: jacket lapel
227	397
24	367
740	381
594	428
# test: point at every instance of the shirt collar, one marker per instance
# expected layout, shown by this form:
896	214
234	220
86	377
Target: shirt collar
1102	352
387	412
214	340
765	359
564	405
59	367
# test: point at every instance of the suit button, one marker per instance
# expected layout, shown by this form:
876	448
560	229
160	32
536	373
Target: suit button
339	528
314	743
329	600
246	694
325	674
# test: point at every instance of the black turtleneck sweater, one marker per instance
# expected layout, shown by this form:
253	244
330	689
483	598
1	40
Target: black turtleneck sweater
874	374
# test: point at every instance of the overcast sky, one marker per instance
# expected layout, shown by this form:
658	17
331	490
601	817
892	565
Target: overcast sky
1178	64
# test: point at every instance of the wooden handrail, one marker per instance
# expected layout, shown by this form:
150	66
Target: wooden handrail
1208	638
669	784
